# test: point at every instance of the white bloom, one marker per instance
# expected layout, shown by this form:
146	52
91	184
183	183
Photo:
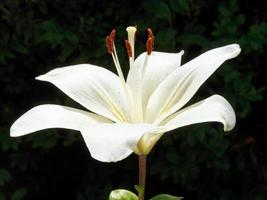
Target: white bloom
131	115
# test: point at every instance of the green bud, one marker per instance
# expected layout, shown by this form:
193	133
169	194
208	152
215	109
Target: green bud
121	194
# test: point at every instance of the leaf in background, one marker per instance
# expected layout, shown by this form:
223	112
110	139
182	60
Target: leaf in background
255	39
182	7
2	196
18	194
8	143
228	22
165	39
163	11
166	197
160	9
46	141
19	47
52	32
192	39
4	176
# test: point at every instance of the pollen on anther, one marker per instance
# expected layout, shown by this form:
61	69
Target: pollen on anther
109	44
150	33
128	48
112	35
149	45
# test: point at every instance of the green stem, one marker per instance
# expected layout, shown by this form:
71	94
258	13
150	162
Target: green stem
142	176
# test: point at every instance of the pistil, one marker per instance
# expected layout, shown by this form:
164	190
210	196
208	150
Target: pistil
131	30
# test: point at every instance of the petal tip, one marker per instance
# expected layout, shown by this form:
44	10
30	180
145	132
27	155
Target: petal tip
48	76
181	52
40	78
14	132
230	117
234	49
229	127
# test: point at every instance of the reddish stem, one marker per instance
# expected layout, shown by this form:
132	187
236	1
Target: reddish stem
142	176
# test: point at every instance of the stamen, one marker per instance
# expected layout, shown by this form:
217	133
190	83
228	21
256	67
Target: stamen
149	49
129	49
149	45
110	41
109	44
112	35
150	33
112	50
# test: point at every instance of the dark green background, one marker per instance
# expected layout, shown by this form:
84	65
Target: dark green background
199	162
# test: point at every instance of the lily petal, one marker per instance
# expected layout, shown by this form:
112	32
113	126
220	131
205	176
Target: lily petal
213	109
159	66
53	116
114	142
96	88
179	87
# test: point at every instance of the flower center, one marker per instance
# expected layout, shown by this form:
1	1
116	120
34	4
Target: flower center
129	44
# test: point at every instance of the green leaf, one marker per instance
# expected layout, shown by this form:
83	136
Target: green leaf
19	194
160	9
4	176
2	196
121	194
181	6
163	11
20	47
166	197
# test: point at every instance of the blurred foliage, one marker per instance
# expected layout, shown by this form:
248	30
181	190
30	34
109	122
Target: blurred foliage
198	162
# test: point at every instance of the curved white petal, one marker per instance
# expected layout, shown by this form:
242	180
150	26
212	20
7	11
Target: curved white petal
179	87
96	88
213	109
113	142
159	66
53	116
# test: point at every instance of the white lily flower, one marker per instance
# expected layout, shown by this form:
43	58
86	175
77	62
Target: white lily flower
131	115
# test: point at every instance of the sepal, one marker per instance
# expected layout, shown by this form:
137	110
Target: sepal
139	189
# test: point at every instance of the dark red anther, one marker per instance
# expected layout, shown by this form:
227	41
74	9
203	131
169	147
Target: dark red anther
110	41
149	45
112	35
128	48
109	44
150	33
